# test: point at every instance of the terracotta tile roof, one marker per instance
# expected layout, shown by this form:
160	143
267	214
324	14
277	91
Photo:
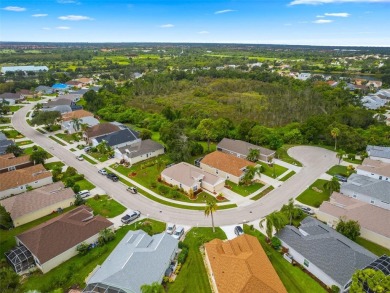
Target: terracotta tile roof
9	160
73	82
227	163
241	266
101	129
85	80
59	234
26	92
28	202
375	166
23	176
76	114
370	217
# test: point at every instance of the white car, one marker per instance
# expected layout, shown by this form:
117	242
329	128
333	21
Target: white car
178	232
80	158
84	193
171	228
102	171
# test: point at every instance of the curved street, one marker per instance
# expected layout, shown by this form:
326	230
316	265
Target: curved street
315	162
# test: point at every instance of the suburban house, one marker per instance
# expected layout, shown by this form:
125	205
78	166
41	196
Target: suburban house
85	81
241	149
374	169
325	253
71	97
373	102
4	143
304	76
367	189
74	83
373	220
137	260
17	181
44	90
25	68
84	116
225	166
9	162
11	98
189	177
99	130
26	93
241	265
124	137
139	151
379	153
56	240
37	203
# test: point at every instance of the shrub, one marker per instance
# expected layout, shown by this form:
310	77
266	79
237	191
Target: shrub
83	248
76	188
335	289
182	245
163	189
175	194
182	255
69	182
351	156
79	201
35	148
153	184
275	242
70	171
97	197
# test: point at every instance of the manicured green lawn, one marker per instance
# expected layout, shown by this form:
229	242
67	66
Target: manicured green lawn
264	192
85	184
12	133
15	108
289	175
105	206
373	247
69	138
24	142
274	170
244	190
283	155
88	159
57	140
193	275
29	151
338	170
355	161
98	156
73	150
34	99
52	165
293	278
75	270
312	197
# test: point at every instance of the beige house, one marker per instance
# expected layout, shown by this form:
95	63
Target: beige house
17	181
226	166
374	169
186	176
40	202
374	221
56	241
9	162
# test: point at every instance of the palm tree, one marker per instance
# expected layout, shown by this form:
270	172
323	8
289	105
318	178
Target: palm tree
107	234
340	155
291	210
253	155
155	287
103	147
333	185
250	173
275	220
211	207
76	124
335	132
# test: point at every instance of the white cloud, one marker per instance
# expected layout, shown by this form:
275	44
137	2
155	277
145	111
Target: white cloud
46	28
318	2
203	32
75	17
168	25
14	8
340	14
39	15
321	21
63	27
320	16
224	11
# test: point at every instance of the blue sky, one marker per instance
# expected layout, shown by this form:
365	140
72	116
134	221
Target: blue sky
305	22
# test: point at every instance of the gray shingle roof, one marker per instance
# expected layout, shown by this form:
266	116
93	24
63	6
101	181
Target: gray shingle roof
119	137
242	147
336	255
378	151
4	144
137	260
139	149
372	187
60	108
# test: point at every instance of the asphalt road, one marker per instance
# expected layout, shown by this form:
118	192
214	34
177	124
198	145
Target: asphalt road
315	161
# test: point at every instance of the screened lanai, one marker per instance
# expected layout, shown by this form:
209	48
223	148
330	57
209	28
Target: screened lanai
20	258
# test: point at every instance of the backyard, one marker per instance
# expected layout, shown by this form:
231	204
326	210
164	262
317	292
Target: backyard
242	189
315	194
373	247
105	206
193	275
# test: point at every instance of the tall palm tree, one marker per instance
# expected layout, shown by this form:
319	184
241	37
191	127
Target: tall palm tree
211	208
340	155
76	124
253	155
335	133
275	220
103	147
250	173
291	210
332	185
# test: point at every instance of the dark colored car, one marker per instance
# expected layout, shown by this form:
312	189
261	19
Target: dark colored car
113	177
238	230
341	178
130	217
307	210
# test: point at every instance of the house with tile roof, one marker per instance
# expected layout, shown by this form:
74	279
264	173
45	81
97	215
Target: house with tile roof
325	253
55	241
241	265
189	177
17	181
137	260
85	117
8	162
373	220
37	203
99	130
74	83
139	151
375	169
85	81
226	166
380	153
367	189
241	149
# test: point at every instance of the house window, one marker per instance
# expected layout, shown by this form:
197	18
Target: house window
306	263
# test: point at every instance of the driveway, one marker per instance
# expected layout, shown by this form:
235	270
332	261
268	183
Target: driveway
315	162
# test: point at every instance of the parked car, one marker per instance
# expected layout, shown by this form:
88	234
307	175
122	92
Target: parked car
341	178
87	149
238	230
306	210
84	193
80	158
132	189
113	177
178	232
171	228
130	217
103	172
